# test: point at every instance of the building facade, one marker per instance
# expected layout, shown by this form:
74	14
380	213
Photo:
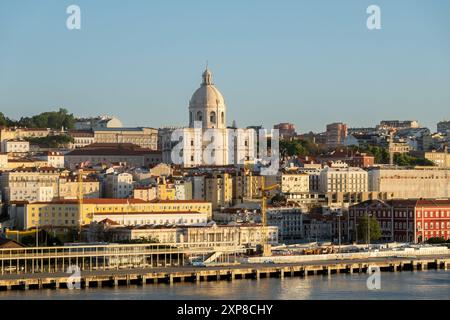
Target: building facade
119	185
144	137
349	179
419	182
336	134
405	220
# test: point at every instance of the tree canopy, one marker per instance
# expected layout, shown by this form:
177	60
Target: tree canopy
298	148
363	229
58	141
51	119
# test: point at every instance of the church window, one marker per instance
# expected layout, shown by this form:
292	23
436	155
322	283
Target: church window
212	117
199	116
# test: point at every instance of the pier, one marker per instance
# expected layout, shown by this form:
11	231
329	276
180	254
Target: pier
172	275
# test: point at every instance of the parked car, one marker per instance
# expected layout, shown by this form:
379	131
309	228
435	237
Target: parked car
269	261
198	264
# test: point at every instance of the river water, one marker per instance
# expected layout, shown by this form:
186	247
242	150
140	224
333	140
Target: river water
433	284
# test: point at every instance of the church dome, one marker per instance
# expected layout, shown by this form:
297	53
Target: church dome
207	96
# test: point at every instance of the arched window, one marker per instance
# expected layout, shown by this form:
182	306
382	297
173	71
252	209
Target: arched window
222	117
199	116
190	117
212	117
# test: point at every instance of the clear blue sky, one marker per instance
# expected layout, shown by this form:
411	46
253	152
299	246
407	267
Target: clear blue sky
307	62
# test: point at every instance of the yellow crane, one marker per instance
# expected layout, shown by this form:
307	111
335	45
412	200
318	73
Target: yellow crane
264	234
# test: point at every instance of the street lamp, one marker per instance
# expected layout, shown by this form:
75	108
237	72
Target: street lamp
339	215
368	231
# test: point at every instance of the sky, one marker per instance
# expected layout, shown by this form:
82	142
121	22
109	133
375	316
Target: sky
305	62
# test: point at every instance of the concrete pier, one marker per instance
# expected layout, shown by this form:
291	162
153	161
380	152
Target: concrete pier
178	274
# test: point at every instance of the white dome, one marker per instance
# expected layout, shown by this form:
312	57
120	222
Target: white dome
207	96
207	105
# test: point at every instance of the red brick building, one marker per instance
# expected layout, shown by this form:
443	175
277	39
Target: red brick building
363	160
410	220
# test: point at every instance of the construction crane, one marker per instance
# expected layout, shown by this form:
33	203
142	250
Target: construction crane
266	248
391	146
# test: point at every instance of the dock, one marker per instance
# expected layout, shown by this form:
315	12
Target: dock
172	275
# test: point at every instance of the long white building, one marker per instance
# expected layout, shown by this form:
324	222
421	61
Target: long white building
419	182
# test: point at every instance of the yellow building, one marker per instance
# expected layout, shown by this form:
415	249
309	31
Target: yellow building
145	193
25	163
166	191
21	133
69	188
219	190
247	186
441	159
65	213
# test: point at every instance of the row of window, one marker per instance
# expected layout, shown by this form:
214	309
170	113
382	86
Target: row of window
441	214
432	225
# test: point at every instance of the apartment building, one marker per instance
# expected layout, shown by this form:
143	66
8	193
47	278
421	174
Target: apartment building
29	184
147	193
246	186
440	159
53	159
336	134
119	185
292	183
15	146
343	179
219	190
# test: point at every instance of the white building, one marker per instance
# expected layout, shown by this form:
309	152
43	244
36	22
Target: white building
15	146
3	160
119	185
420	182
194	145
198	187
294	182
153	218
97	123
29	184
54	159
343	179
183	190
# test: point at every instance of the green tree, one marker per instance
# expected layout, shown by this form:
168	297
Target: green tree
403	159
52	119
52	141
298	148
373	228
436	240
5	121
